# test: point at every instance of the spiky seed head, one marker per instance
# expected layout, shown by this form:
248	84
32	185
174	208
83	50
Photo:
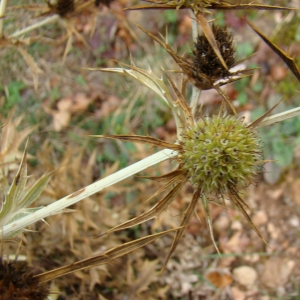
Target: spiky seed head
17	282
63	7
205	59
221	152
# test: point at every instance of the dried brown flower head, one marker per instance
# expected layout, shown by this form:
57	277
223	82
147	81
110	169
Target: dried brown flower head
63	7
206	68
205	59
17	281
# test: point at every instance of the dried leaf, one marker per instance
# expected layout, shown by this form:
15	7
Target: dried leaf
219	278
70	26
145	277
147	78
240	204
225	97
141	139
104	258
185	221
32	65
11	138
189	120
256	123
156	210
172	180
164	177
208	219
283	55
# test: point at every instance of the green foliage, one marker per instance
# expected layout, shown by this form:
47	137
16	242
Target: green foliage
17	199
80	80
14	90
244	49
170	16
288	33
240	86
220	18
37	49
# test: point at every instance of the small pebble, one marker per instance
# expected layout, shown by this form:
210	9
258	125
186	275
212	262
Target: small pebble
260	218
245	275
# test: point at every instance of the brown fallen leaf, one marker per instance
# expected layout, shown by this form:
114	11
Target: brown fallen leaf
220	278
61	116
276	272
66	107
80	103
140	282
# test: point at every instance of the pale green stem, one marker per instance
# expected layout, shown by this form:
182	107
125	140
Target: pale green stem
95	187
195	91
34	26
2	13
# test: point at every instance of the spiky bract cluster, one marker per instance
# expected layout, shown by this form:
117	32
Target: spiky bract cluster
219	153
63	7
17	282
205	58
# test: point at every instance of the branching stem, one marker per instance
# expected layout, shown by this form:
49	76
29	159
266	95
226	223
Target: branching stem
83	193
34	26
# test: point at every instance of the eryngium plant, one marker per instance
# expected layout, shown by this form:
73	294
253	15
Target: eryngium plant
221	145
220	155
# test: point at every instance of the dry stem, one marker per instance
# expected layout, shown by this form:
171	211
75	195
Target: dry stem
2	13
34	26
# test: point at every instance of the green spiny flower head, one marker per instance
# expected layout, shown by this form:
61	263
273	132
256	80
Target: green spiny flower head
219	153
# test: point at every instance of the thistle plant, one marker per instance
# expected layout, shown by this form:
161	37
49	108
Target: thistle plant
219	155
